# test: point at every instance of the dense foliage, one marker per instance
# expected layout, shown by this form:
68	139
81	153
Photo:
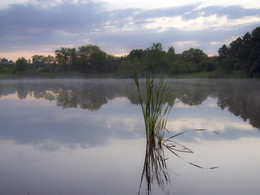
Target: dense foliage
242	54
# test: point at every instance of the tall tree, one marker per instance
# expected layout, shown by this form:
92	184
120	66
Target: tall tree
38	61
171	54
91	59
223	51
242	54
21	65
194	55
139	53
66	58
254	56
156	59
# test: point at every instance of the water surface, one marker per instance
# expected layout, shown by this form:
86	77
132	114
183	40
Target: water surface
87	137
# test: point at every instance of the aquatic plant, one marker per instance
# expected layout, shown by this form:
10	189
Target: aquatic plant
156	104
155	107
154	111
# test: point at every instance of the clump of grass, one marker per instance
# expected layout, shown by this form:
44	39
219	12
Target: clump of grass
154	111
155	107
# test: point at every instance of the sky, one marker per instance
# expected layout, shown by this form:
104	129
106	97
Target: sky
40	27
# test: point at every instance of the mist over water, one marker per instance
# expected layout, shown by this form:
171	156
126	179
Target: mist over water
86	136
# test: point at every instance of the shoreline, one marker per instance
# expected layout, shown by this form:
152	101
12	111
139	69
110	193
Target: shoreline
67	75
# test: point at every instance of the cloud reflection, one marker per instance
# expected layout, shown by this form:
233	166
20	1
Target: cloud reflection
48	127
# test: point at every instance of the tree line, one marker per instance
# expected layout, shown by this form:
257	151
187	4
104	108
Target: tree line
242	54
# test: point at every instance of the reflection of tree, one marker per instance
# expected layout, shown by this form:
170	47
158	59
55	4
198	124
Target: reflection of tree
22	92
67	99
48	95
240	98
92	97
193	99
243	100
190	93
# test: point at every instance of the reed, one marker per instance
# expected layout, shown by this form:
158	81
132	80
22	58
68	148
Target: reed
155	102
155	107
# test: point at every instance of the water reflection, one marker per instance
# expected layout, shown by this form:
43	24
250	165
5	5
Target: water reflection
36	119
240	97
47	126
155	167
39	120
73	136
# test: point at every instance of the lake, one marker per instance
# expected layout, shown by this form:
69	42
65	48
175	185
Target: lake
87	136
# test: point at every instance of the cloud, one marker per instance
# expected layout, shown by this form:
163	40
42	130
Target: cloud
31	25
38	24
232	12
193	17
166	12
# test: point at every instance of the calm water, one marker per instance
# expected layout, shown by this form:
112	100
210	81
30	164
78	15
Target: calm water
87	137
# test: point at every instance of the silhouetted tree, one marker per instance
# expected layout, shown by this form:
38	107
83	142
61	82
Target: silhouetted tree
21	65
